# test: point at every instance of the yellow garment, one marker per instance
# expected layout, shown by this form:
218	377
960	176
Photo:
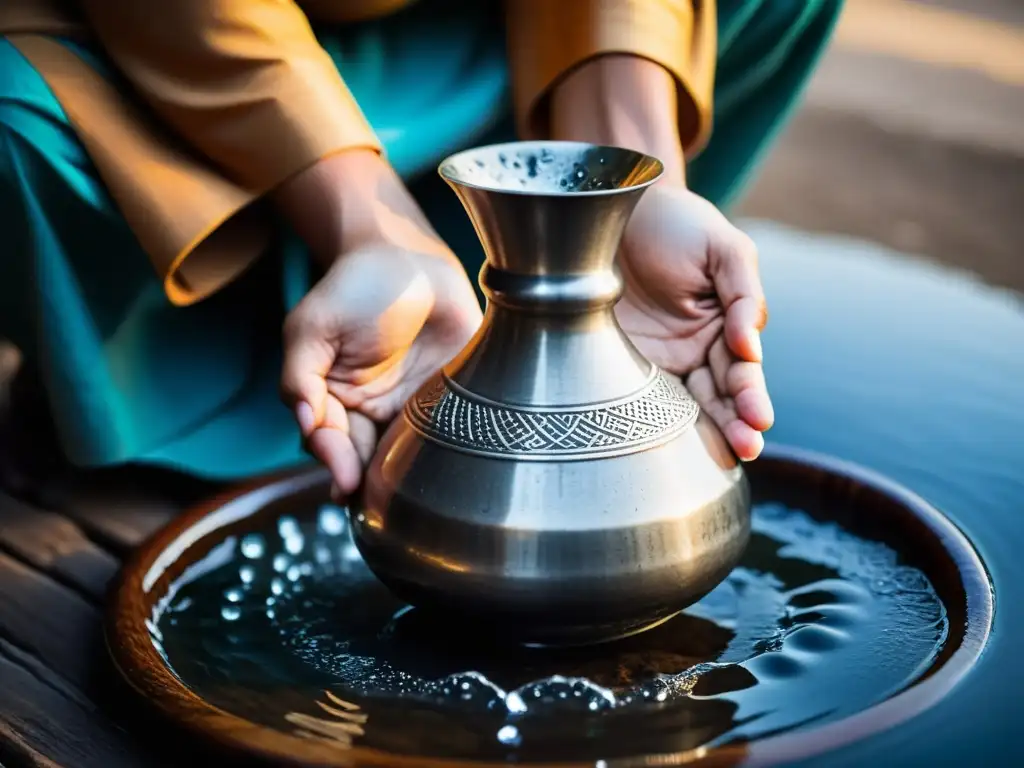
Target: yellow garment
238	96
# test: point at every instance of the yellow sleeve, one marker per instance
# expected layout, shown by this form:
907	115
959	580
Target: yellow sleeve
548	39
243	82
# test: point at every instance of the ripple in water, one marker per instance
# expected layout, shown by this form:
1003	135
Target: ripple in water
814	625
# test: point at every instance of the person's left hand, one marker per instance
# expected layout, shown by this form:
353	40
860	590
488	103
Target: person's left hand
693	305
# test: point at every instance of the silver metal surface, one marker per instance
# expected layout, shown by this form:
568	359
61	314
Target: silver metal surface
551	482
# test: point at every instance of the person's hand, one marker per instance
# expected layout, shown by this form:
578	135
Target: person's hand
694	305
391	310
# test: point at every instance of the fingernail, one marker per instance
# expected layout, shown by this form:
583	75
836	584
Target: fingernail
755	345
304	415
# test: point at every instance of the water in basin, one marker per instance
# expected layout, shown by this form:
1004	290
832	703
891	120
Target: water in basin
285	626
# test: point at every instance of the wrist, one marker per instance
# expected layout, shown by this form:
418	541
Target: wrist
350	200
625	101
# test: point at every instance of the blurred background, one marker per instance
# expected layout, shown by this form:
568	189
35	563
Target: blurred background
911	135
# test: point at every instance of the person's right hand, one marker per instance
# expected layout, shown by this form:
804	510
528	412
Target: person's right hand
392	309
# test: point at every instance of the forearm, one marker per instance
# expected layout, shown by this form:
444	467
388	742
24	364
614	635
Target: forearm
625	101
348	200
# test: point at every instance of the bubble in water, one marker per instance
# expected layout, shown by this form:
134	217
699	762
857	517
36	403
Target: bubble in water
560	690
276	586
331	520
514	703
509	734
230	612
350	553
293	573
281	562
247	573
294	542
233	595
253	546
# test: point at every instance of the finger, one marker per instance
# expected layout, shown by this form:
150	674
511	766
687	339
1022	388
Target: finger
307	359
720	360
749	392
744	321
357	386
733	262
743	383
423	362
364	436
745	441
701	385
388	379
335	417
337	452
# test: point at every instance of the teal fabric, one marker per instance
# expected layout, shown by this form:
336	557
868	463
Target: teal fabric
130	378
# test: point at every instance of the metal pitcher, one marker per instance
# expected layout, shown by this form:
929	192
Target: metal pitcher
550	483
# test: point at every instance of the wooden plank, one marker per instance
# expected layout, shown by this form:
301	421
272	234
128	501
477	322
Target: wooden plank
42	728
53	666
121	508
56	546
50	622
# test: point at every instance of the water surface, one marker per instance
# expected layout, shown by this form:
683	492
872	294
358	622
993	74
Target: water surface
284	625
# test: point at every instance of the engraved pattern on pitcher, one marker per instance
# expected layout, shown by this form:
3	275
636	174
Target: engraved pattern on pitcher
658	412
